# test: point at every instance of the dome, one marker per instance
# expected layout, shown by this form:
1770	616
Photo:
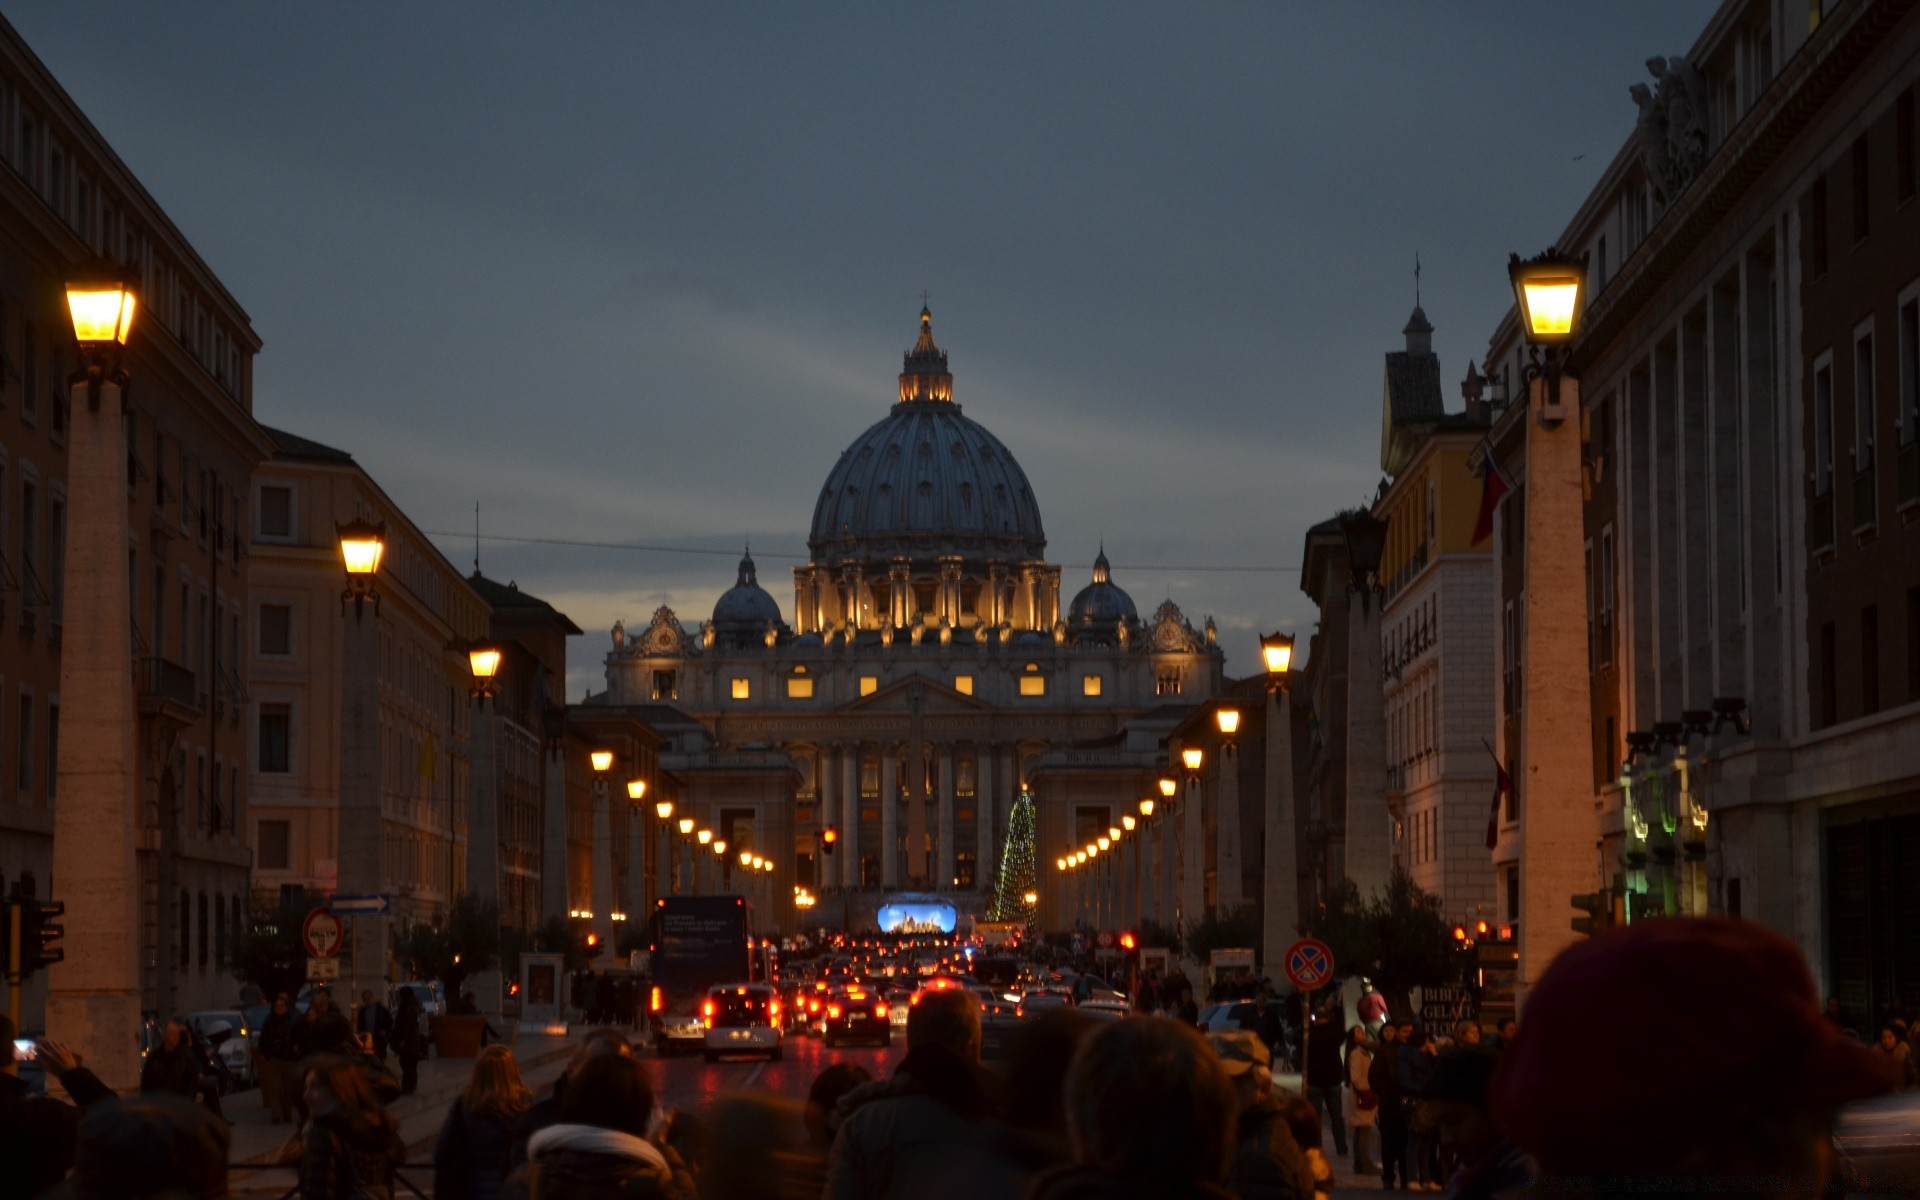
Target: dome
745	608
1101	605
926	480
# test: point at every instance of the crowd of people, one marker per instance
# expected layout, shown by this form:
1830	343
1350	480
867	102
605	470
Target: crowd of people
1631	1075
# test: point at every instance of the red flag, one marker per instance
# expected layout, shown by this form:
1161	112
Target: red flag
1493	485
1501	786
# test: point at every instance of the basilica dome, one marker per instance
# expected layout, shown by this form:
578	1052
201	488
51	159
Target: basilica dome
926	481
744	610
1102	606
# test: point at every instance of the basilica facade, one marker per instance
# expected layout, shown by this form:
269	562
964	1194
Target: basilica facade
928	666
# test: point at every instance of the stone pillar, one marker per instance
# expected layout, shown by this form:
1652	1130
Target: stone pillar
1169	856
917	872
900	593
943	834
603	892
363	842
1369	826
984	766
826	776
483	835
1150	853
889	815
1193	852
1229	893
1280	865
1557	826
851	804
94	1001
556	897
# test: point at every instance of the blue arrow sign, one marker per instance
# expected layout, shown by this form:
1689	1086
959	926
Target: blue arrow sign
360	906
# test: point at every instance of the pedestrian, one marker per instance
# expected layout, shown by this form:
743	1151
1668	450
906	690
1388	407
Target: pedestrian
374	1023
599	1148
157	1147
823	1100
37	1133
918	1135
1491	1167
1267	1021
352	1146
1304	1123
1892	1045
1363	1103
409	1039
177	1066
1325	1076
1383	1077
1467	1033
279	1051
470	1159
324	1030
1268	1163
1414	1060
1507	1030
1028	1135
1150	1114
546	1112
1636	1017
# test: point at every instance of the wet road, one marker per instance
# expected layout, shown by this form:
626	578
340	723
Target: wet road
688	1081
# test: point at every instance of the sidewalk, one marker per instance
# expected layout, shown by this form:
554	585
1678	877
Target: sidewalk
441	1080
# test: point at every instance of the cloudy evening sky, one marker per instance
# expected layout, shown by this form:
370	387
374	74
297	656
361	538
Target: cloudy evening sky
637	272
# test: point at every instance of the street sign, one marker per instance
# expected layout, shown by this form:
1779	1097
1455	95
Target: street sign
323	970
1106	940
320	934
1309	964
372	905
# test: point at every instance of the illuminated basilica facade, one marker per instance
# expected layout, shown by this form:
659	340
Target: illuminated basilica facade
928	668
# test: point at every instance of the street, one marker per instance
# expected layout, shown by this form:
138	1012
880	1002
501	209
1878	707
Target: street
688	1081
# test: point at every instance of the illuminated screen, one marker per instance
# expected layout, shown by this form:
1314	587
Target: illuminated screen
923	917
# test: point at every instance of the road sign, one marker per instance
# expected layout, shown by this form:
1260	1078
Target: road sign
1106	940
323	970
1309	964
320	934
372	905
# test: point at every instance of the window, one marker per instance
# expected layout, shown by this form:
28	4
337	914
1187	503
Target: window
741	688
29	370
1033	685
53	749
963	684
963	870
219	934
1606	594
1909	333
276	629
1870	660
276	511
1903	151
276	735
1090	685
186	929
1166	681
275	845
666	685
1823	426
1817	227
57	558
1861	223
1863	415
1511	632
800	687
869	684
25	744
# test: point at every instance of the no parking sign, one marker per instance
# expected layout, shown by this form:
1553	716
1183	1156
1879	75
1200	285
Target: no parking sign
1309	964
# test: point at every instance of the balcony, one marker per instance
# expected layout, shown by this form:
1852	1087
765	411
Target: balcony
166	689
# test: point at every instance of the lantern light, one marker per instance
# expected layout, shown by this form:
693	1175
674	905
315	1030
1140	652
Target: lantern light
101	303
1228	719
704	836
636	790
1103	843
484	662
362	545
663	809
1127	822
1548	290
1168	786
1113	833
1277	650
686	825
1192	757
602	761
719	848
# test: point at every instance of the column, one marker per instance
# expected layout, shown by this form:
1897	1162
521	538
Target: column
1169	856
603	894
1281	865
483	835
917	873
943	834
984	767
889	815
1004	793
94	1002
1150	835
1369	826
826	776
1193	863
851	804
363	842
555	898
1228	890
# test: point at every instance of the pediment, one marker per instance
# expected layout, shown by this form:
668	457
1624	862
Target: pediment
934	696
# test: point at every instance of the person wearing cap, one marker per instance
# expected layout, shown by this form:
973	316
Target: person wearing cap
1683	1055
1491	1167
1268	1164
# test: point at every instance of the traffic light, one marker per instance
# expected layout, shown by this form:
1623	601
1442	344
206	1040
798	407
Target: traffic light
1127	942
31	922
1598	910
829	837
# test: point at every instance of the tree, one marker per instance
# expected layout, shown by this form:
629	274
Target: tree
1240	929
1399	938
269	954
1017	878
467	941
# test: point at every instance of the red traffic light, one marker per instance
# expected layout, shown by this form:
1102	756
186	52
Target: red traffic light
1126	941
593	939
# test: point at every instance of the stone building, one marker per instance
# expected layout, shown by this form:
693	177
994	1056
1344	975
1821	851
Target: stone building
929	663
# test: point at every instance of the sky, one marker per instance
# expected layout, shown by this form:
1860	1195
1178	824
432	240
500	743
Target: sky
635	273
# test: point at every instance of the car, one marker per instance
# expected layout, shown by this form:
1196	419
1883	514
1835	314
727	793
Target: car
998	1022
793	1007
1230	1014
742	1018
230	1039
899	1004
1043	1000
854	1014
1105	1010
432	997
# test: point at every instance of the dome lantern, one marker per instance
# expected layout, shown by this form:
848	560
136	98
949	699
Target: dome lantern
924	377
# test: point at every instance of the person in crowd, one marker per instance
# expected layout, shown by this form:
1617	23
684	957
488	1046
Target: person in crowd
598	1149
760	1150
1504	1033
919	1135
1383	1077
373	1021
597	1043
1029	1133
823	1100
470	1159
1836	1014
1149	1112
323	1030
37	1132
1490	1166
156	1147
279	1051
1414	1064
1468	1033
1326	1073
1892	1045
1363	1103
352	1146
409	1039
180	1067
1268	1164
1267	1021
1303	1121
1728	1099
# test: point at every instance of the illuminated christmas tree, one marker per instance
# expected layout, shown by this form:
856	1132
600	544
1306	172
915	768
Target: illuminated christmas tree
1017	880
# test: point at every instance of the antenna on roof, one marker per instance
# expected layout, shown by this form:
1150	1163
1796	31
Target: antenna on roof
1416	279
476	537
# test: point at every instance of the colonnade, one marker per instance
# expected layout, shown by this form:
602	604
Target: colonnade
909	852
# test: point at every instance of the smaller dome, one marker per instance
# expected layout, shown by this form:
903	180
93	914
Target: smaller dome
1102	605
746	607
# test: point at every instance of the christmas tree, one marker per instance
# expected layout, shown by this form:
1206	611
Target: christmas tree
1017	881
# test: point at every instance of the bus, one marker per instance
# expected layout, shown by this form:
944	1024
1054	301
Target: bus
695	943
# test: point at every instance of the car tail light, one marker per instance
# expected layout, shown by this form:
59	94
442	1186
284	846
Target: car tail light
813	1006
706	1013
654	1002
773	1012
833	1011
879	1010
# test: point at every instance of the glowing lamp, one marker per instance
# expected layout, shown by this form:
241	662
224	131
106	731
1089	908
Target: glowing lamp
362	545
1277	651
1113	833
686	825
636	790
1060	864
1192	757
1127	822
1168	786
704	836
602	761
1146	807
719	848
101	303
1548	290
1103	843
1127	942
663	809
746	858
1228	719
484	662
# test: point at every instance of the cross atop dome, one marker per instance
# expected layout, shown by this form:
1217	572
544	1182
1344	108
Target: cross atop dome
924	377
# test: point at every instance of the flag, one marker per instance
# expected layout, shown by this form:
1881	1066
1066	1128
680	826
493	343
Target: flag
1501	786
1493	486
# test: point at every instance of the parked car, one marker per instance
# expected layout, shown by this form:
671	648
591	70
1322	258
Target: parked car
998	1021
432	996
1105	1010
230	1042
854	1014
742	1018
1229	1014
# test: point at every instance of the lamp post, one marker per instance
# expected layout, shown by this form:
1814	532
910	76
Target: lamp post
666	874
1549	290
1166	903
1193	865
1281	867
1229	888
94	1004
602	761
483	806
362	836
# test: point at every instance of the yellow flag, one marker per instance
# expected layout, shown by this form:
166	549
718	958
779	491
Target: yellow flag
429	757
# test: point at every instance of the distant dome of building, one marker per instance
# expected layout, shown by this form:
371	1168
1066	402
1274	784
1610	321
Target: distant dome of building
1102	606
745	609
926	480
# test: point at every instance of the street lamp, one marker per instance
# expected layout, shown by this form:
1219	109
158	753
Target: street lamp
602	761
686	826
1366	537
483	661
362	545
101	302
1113	833
1127	822
1277	651
663	809
1168	786
1191	757
1146	806
1550	290
704	836
1030	898
1228	719
1059	864
636	790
